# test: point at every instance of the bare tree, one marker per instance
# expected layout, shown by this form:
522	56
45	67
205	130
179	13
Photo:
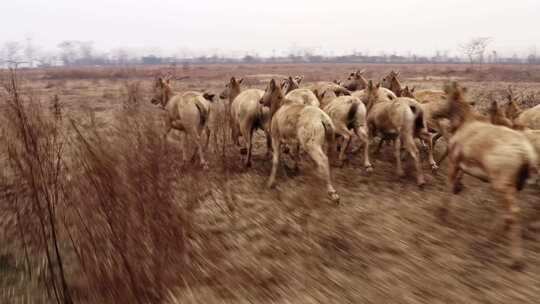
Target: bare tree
475	49
532	58
12	53
68	52
495	57
30	52
120	56
86	51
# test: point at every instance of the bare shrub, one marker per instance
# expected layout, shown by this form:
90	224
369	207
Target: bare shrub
111	204
35	148
126	182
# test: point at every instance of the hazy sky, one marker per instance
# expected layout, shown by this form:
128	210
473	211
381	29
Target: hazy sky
421	26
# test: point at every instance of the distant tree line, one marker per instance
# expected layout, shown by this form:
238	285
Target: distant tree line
82	53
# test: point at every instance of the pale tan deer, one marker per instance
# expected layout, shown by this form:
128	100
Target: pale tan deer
320	87
392	82
187	112
293	92
398	120
356	81
348	114
498	117
431	102
529	118
495	154
247	115
307	125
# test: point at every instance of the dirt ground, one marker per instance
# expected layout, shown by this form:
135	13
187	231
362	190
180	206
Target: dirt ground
384	243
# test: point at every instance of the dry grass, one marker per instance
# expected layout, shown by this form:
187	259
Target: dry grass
133	225
313	72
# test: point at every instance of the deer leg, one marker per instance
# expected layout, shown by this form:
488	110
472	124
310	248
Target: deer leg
235	134
512	220
249	147
379	146
276	149
168	128
346	140
426	137
362	133
455	174
397	155
410	146
208	134
184	148
201	150
316	153
268	144
195	137
296	157
443	157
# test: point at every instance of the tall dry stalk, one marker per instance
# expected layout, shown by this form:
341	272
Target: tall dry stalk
108	208
35	156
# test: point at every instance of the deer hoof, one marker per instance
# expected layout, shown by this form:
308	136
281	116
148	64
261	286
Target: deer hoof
369	168
434	167
517	264
334	196
243	151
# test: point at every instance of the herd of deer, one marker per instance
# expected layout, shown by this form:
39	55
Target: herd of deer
501	148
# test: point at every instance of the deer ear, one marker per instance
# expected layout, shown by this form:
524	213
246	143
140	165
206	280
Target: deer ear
209	96
378	85
160	82
240	80
412	90
272	84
